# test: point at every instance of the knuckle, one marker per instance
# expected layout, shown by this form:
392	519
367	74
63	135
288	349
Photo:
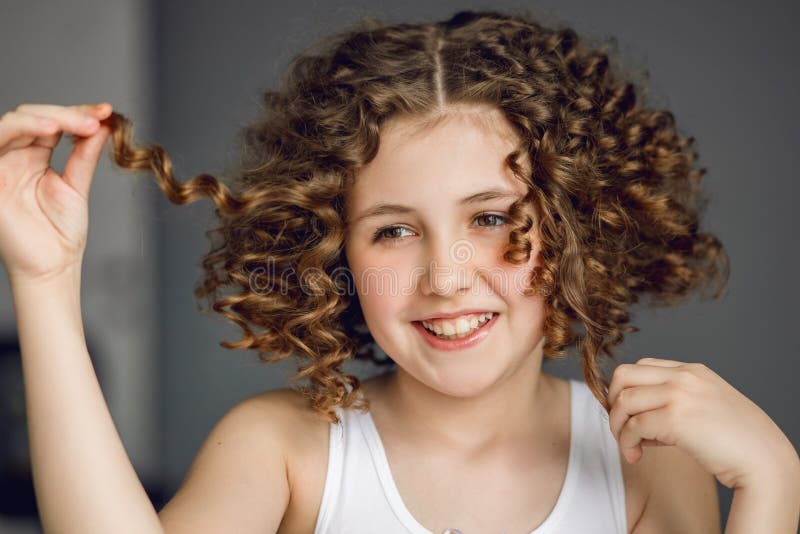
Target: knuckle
678	409
634	422
673	417
686	375
699	368
674	390
619	371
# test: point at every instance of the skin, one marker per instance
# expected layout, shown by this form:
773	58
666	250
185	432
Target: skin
659	402
666	402
44	215
468	399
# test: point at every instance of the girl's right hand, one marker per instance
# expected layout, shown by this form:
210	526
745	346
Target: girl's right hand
44	217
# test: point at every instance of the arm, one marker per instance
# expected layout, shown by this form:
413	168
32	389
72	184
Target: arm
84	481
683	497
770	503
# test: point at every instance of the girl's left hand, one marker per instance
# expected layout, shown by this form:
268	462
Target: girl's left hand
666	402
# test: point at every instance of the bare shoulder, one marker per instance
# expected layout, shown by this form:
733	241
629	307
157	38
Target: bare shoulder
238	480
288	406
301	430
305	436
679	494
293	410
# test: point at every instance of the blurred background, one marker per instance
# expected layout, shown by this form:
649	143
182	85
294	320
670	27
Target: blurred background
190	74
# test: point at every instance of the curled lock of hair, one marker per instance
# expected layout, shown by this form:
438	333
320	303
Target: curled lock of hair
613	189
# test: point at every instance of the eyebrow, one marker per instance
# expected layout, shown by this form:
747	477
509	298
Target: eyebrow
383	208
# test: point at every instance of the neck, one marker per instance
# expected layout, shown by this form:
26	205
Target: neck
513	408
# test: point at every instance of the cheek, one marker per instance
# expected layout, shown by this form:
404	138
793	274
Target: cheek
508	280
378	286
528	311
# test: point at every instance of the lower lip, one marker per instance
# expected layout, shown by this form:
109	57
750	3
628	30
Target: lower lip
456	344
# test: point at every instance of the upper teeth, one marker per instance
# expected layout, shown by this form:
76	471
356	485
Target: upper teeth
459	325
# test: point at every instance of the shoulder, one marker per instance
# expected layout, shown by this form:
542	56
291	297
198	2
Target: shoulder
302	433
269	416
679	494
238	480
287	414
282	403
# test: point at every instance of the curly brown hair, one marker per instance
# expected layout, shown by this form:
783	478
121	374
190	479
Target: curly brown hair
614	189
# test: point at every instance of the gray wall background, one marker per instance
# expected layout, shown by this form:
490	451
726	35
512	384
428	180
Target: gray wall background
725	69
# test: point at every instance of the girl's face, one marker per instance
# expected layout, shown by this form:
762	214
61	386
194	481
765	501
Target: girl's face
428	253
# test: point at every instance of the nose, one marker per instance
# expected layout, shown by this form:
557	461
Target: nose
448	266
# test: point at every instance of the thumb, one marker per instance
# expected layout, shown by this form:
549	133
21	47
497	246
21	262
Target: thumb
82	163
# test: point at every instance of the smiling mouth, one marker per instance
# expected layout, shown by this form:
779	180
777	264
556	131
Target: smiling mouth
481	323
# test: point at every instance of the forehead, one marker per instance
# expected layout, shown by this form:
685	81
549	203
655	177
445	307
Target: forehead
449	155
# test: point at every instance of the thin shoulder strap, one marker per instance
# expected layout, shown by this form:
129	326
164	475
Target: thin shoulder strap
330	495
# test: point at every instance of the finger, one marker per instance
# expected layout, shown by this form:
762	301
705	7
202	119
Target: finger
661	362
82	162
48	141
19	129
81	120
635	400
628	374
643	428
100	111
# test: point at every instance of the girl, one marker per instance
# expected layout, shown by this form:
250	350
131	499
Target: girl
458	193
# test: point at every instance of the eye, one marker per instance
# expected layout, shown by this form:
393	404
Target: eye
385	233
389	233
489	216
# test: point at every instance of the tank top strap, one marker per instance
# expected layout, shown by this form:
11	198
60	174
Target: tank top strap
599	451
336	448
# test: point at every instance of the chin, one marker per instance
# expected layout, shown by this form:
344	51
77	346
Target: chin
457	380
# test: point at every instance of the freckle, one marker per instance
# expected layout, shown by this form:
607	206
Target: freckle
219	443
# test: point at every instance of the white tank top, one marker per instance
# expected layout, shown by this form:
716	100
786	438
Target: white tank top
360	496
